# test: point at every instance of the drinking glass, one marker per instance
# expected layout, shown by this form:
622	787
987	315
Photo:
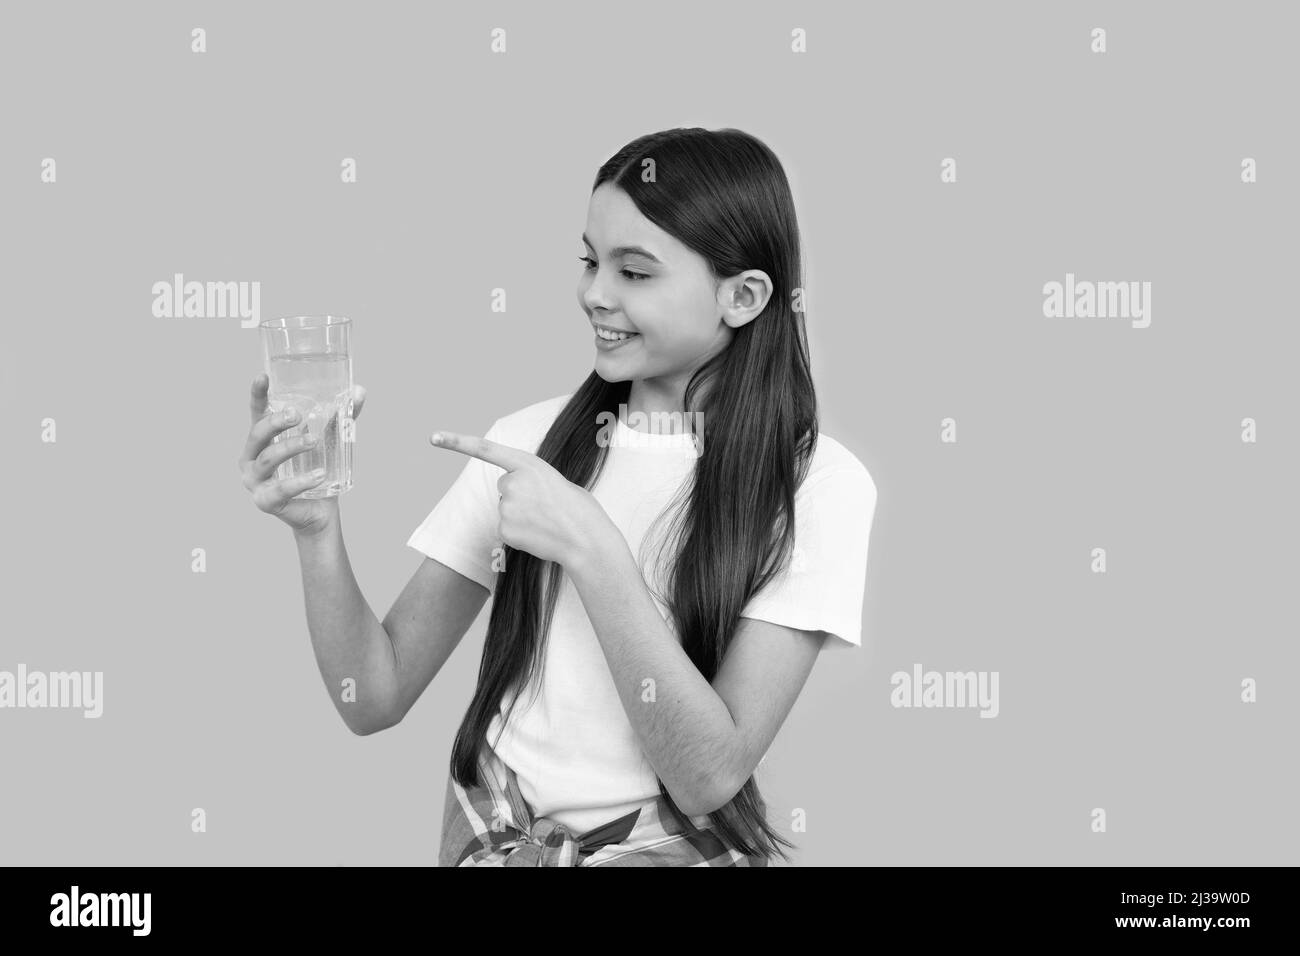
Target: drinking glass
309	364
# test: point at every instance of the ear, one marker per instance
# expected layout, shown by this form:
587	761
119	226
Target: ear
743	297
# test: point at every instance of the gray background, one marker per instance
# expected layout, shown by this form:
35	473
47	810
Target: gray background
1118	691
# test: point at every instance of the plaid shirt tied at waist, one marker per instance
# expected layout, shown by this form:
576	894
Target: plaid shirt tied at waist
492	825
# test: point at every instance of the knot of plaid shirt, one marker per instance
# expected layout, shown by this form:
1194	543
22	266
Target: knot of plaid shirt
547	843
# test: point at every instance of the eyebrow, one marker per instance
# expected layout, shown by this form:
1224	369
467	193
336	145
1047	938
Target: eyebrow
628	251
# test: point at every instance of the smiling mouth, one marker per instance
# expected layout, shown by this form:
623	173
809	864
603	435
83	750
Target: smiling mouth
608	335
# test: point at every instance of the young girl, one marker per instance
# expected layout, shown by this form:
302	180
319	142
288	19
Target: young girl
667	548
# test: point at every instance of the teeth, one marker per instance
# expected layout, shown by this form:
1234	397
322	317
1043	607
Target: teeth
613	336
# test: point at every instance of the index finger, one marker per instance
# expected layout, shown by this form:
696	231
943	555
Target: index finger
503	456
257	402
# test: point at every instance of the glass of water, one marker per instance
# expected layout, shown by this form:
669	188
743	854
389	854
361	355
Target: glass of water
309	363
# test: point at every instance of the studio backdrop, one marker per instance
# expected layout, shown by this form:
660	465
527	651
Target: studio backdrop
1048	254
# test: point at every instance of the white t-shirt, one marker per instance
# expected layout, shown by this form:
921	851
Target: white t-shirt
575	753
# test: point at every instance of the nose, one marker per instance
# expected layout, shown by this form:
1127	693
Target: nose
593	292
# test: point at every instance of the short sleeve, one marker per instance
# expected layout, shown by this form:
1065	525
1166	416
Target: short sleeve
461	530
823	586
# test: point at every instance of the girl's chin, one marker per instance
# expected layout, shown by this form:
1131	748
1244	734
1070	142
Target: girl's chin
611	371
615	357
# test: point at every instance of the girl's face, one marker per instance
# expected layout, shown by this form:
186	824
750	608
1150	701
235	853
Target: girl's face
637	278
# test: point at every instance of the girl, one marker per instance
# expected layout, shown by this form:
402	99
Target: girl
660	591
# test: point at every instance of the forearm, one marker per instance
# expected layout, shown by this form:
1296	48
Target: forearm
347	638
684	726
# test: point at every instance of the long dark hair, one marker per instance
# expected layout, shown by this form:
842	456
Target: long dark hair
725	195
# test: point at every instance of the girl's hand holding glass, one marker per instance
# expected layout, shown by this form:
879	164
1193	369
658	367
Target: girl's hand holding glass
262	456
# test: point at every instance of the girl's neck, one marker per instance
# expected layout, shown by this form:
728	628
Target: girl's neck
659	402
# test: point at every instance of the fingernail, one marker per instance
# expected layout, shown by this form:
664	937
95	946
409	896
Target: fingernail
309	440
436	438
291	415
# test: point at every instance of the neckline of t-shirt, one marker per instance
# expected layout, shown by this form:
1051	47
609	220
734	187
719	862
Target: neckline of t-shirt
629	437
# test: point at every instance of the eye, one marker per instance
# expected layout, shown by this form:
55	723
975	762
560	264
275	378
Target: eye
632	276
